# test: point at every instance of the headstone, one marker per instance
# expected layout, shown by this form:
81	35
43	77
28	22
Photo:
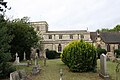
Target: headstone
24	56
103	67
61	74
16	56
118	71
44	61
36	69
14	76
17	59
36	59
18	75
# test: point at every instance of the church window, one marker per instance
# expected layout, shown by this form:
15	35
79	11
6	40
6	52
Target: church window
50	36
59	48
108	47
60	36
82	36
71	36
99	46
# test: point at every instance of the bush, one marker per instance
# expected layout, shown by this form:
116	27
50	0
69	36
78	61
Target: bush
117	51
79	56
6	69
100	51
51	54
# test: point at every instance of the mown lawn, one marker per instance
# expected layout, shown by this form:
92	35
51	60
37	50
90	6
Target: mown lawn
52	71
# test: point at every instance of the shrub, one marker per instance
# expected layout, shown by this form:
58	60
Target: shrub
6	69
79	56
117	51
51	54
100	51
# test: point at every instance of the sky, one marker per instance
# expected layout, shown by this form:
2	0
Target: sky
68	14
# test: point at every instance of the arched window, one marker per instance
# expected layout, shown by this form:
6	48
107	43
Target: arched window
99	46
82	36
59	48
108	47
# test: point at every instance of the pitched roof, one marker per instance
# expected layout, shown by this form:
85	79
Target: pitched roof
107	37
110	37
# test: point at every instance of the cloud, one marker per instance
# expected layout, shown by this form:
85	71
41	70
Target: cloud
69	14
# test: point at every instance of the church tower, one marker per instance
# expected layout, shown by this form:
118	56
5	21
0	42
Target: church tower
41	26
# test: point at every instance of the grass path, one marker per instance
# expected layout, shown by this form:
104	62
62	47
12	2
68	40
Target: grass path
51	72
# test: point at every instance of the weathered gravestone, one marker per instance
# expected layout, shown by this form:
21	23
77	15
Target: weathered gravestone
36	69
118	71
14	76
103	67
18	75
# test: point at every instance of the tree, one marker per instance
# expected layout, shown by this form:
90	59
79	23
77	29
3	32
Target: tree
3	6
24	37
115	29
5	56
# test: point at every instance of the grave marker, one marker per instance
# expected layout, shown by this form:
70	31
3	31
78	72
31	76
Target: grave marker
103	67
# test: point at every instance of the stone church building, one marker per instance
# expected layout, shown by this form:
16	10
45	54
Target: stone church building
57	40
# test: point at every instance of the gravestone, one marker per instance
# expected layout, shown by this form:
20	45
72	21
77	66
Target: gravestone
61	74
18	75
24	56
103	67
17	59
36	69
118	71
36	59
44	61
14	76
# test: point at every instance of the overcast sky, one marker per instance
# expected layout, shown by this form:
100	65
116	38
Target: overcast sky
68	14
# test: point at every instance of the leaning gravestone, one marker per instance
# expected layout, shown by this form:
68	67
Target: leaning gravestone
14	76
19	75
103	67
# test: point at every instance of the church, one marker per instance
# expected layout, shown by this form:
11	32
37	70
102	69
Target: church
57	40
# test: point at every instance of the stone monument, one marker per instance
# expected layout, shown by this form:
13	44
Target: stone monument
24	56
103	67
17	59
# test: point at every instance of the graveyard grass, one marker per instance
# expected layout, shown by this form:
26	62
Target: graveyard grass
52	69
